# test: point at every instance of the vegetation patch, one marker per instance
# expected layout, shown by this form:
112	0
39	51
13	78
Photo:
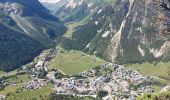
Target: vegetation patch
150	69
68	97
74	62
73	26
160	73
39	94
13	83
155	96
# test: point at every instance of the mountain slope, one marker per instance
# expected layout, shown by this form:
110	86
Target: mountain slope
26	29
119	30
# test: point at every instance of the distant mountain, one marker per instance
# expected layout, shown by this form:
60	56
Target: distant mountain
26	28
68	10
49	1
51	6
122	31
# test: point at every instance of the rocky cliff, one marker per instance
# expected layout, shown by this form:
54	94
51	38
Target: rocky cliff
119	30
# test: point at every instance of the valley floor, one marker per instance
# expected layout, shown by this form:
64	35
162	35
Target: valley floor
58	73
73	62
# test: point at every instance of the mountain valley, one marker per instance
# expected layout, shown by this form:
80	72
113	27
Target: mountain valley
117	30
84	49
25	32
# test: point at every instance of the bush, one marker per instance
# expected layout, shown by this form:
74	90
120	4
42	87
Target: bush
101	94
155	96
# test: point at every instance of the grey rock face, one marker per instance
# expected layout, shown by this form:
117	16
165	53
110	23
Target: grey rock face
123	30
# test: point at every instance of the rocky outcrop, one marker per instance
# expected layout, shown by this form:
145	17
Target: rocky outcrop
122	30
144	35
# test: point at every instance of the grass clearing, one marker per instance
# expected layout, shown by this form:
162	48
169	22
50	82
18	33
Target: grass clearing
158	84
73	25
73	62
160	72
149	69
17	78
1	72
9	89
71	29
39	94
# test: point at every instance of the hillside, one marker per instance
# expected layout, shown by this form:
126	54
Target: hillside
125	31
156	96
86	50
26	29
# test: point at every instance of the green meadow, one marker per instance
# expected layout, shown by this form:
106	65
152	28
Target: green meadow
39	94
73	25
150	69
159	71
73	62
15	80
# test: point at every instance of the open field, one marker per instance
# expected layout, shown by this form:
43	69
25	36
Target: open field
73	25
9	89
74	62
160	69
15	80
160	73
71	29
39	94
1	72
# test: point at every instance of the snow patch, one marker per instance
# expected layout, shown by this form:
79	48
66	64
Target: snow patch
103	17
99	11
96	22
95	52
130	7
139	29
99	31
90	5
71	4
106	34
80	2
88	45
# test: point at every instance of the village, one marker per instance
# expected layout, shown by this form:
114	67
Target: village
119	82
116	81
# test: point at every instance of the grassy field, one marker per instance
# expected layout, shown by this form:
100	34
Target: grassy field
71	29
4	74
1	72
39	94
160	69
15	79
9	90
73	25
74	62
160	72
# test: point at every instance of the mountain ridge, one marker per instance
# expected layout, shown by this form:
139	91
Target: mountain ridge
33	28
120	31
